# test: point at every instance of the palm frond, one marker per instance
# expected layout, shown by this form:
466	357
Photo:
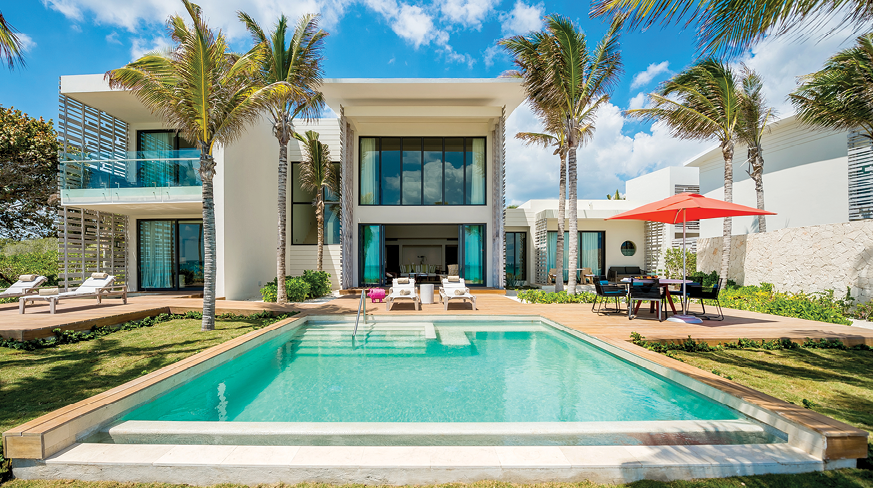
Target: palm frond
11	48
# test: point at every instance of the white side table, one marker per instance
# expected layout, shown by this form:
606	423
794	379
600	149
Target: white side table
426	293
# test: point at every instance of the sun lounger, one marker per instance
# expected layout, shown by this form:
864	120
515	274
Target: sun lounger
454	288
26	285
98	286
402	288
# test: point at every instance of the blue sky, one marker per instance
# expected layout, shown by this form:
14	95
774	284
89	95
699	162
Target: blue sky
406	38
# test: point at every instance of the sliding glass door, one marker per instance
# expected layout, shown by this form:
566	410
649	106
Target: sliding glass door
372	242
473	247
590	249
516	256
170	254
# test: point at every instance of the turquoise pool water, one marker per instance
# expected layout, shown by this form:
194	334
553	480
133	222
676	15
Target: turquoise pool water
480	371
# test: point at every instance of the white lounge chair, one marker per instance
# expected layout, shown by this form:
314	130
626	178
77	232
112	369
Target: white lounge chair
26	285
454	288
402	288
98	286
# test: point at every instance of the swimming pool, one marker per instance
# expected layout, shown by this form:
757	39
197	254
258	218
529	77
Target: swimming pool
472	371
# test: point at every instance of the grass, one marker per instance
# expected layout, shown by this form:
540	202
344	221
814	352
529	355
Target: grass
33	383
844	478
833	382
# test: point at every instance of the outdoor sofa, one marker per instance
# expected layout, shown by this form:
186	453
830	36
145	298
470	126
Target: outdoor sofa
618	273
98	286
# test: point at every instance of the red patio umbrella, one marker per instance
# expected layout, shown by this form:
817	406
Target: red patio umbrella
687	207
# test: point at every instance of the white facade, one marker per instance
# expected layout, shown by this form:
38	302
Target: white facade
806	179
245	183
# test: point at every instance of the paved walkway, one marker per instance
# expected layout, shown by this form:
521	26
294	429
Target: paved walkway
84	314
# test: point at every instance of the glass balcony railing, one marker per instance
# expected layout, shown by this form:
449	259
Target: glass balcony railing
142	169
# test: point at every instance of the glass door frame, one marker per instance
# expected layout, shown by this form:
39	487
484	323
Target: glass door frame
175	224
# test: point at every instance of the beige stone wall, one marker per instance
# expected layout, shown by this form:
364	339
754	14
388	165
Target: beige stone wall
814	258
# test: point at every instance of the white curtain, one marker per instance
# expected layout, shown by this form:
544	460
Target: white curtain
477	196
369	172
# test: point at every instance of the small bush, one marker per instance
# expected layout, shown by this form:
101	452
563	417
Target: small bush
540	296
690	345
319	283
673	262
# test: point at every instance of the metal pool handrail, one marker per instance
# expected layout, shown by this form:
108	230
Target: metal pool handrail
360	305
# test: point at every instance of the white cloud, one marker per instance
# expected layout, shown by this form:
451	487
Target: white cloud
522	19
638	101
413	24
391	61
140	46
27	42
491	53
604	164
469	13
643	78
454	57
113	38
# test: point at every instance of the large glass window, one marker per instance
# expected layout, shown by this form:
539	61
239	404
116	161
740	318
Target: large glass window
170	254
371	254
423	171
154	147
516	256
304	228
591	251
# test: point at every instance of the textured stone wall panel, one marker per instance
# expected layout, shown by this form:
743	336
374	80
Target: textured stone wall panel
809	259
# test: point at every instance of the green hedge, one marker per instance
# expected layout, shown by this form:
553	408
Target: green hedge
38	256
313	284
540	296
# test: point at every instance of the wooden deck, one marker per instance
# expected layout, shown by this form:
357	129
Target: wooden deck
82	314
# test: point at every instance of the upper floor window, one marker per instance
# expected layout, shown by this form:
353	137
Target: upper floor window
304	225
422	171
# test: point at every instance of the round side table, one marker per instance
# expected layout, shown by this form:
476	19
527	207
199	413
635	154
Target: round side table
426	293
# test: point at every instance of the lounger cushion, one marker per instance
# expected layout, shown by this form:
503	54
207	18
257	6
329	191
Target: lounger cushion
460	291
405	292
454	279
46	292
402	281
100	276
28	278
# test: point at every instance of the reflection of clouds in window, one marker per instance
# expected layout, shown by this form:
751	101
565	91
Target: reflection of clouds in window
433	179
411	187
391	183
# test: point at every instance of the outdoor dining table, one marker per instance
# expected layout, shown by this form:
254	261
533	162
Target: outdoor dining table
661	282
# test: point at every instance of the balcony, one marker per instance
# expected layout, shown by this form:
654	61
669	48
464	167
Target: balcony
146	178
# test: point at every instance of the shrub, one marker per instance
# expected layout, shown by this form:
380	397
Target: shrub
319	283
296	288
673	262
821	306
540	296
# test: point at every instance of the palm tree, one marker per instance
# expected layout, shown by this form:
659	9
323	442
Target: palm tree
702	102
840	95
755	116
210	96
299	65
561	75
317	175
734	26
10	44
554	137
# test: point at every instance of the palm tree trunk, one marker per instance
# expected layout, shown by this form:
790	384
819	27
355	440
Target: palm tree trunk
281	292
727	151
207	172
319	219
574	224
758	177
562	216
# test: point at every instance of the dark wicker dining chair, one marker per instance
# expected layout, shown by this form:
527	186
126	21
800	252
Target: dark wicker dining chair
651	291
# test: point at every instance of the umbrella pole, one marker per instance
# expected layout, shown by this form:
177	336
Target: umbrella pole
684	317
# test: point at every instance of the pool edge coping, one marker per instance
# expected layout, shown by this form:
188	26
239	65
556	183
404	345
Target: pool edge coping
819	435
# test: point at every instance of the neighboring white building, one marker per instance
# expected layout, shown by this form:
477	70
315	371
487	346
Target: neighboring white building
422	183
531	229
806	179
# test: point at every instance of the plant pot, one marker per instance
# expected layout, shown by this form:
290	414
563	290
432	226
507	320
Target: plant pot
511	292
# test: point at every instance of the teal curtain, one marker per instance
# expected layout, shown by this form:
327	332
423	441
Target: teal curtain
371	254
155	147
474	247
157	252
516	254
552	252
369	172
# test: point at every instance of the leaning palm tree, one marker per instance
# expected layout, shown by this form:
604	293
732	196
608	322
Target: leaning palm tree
755	117
317	175
10	44
554	136
734	26
701	102
562	75
840	95
209	95
298	63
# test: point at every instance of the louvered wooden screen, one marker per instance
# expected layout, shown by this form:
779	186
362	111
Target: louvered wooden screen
860	177
498	235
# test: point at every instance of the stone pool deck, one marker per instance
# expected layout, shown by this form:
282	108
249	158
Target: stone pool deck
46	447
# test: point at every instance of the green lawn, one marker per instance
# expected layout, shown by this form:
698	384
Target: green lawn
833	382
844	478
33	383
